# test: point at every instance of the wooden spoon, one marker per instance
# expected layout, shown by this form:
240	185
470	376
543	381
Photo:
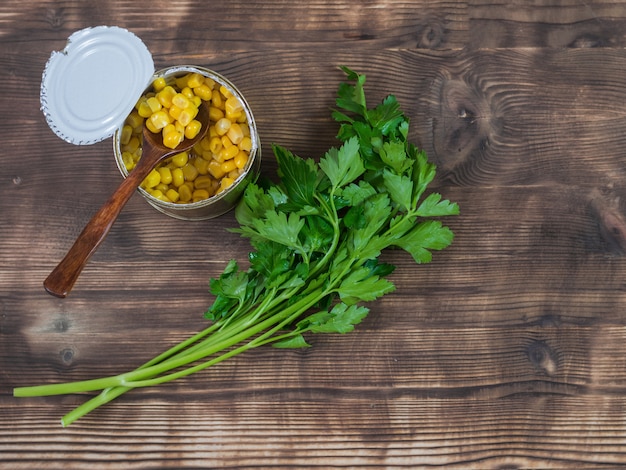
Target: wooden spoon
62	278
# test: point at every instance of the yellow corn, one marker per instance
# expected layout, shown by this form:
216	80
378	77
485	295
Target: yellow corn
215	145
222	126
201	165
215	169
152	179
185	193
134	120
226	142
181	82
225	92
175	111
245	144
216	99
228	166
203	182
172	195
129	162
160	119
190	172
199	195
192	129
144	109
229	153
154	104
165	96
204	92
132	145
195	80
178	178
166	175
173	139
225	183
214	163
235	133
187	115
180	159
180	100
215	114
241	159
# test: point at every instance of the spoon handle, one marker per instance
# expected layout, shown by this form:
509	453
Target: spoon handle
62	278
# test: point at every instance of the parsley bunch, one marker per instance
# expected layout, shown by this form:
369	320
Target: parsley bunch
317	236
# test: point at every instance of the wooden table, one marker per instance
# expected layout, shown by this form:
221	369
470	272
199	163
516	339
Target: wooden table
508	351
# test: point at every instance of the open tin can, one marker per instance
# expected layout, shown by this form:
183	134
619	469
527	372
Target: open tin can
89	89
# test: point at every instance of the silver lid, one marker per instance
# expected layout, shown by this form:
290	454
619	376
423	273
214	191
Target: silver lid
90	87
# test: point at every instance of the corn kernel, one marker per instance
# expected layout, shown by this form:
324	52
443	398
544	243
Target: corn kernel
125	135
215	145
134	120
129	162
159	83
203	182
181	82
199	195
246	144
190	172
160	119
225	92
180	100
226	143
154	104
153	179
178	178
225	183
187	115
204	92
205	143
175	111
144	109
172	195
165	96
228	166
235	133
201	165
180	159
222	126
173	139
229	153
132	145
215	169
195	80
161	187
166	175
188	93
241	159
215	113
216	99
185	193
233	105
192	129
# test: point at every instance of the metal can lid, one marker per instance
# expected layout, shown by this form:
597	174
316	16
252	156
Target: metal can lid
90	87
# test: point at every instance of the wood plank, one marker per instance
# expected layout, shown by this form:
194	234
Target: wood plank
506	352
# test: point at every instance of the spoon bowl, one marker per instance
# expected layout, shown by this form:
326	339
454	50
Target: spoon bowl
62	278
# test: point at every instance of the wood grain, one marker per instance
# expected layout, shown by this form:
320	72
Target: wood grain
506	352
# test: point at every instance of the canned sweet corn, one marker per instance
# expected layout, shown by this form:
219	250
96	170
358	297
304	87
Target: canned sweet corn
208	180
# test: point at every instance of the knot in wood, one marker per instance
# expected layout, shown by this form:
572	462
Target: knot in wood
542	357
464	122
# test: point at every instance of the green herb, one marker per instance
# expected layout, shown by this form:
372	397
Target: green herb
316	237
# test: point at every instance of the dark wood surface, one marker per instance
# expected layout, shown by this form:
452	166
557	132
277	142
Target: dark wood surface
508	351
